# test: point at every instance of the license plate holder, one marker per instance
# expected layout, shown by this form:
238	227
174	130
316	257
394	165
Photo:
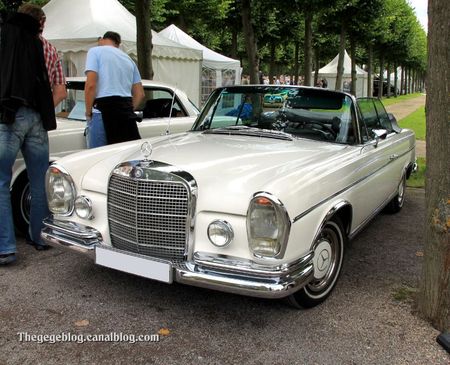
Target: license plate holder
147	267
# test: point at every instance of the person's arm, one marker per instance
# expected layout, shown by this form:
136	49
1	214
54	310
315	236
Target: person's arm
137	92
90	89
59	94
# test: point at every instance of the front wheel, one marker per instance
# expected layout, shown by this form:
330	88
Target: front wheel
21	202
328	256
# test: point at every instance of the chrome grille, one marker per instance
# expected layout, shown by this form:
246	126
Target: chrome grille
148	217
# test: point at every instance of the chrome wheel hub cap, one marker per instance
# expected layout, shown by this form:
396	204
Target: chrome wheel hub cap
322	259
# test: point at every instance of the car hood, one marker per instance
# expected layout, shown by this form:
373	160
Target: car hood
220	164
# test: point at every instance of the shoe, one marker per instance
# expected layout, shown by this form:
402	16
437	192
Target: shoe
37	246
7	259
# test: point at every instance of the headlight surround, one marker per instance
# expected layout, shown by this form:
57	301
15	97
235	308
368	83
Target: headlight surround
60	190
268	226
220	233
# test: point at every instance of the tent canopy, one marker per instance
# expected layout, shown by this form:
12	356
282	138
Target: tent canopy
217	70
211	59
329	72
73	27
331	68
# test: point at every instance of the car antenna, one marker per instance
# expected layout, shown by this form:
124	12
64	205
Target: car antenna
170	113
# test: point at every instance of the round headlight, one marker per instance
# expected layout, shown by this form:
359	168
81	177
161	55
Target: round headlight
60	191
220	233
83	207
268	226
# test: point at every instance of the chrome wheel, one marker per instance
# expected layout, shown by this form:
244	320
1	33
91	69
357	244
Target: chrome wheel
396	204
328	257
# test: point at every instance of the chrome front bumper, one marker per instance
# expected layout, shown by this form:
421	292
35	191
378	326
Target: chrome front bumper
217	272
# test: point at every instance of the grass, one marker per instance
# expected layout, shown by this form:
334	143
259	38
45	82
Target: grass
404	293
416	122
417	180
398	99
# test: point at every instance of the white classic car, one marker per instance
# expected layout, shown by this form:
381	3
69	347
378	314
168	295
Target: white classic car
161	103
256	199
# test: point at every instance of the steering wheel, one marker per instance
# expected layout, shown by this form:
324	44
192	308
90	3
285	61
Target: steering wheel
325	129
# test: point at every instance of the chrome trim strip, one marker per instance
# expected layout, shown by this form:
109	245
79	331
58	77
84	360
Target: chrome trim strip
70	235
271	289
309	210
238	265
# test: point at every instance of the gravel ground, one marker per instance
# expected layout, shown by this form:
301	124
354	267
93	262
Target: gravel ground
369	319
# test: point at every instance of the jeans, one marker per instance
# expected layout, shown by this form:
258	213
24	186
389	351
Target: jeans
95	131
27	135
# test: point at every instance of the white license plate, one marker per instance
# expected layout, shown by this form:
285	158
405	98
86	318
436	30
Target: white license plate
134	264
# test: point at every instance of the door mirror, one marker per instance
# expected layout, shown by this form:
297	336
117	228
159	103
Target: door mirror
380	133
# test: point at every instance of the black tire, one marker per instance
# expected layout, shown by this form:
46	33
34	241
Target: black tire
328	257
396	204
20	200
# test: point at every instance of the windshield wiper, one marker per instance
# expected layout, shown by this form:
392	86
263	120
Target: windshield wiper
249	131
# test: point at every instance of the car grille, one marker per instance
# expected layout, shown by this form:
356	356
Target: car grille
149	217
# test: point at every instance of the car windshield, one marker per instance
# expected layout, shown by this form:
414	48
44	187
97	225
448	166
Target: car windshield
311	113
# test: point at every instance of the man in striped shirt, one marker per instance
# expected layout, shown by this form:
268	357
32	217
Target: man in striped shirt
52	60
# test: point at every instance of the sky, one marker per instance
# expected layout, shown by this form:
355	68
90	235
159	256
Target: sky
420	7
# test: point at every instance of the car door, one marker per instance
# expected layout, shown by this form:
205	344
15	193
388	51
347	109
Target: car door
163	112
376	165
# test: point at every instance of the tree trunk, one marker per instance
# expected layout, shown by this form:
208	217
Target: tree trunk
234	43
316	66
272	61
388	80
395	80
409	80
340	65
402	81
296	62
144	43
308	47
381	79
250	41
353	55
434	294
369	72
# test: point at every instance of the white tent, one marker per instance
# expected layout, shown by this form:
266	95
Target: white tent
329	72
74	26
217	70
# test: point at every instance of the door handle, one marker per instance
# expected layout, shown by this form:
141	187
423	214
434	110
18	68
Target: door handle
393	157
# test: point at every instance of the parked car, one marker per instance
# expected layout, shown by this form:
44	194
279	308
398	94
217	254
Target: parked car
376	86
261	206
164	109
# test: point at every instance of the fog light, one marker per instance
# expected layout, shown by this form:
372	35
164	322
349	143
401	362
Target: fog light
220	233
83	207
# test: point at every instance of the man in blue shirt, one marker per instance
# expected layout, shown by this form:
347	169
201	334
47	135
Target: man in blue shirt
113	90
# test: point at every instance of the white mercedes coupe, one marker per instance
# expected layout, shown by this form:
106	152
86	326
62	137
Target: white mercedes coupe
258	198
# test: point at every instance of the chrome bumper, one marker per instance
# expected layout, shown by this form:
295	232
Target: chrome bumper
223	273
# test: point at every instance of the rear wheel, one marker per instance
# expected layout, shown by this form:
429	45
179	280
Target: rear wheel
396	204
21	202
328	256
